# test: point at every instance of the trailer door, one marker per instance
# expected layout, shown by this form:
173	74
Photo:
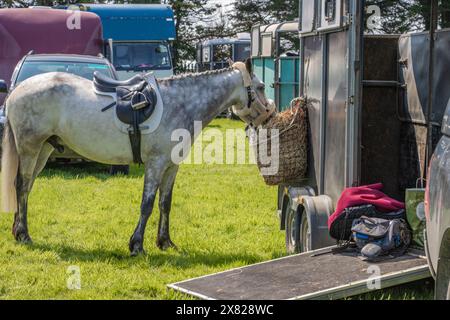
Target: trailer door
335	96
335	106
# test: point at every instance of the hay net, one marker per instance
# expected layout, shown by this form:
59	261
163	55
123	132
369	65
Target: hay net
286	134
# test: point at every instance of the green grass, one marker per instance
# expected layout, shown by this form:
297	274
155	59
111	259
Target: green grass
222	217
419	290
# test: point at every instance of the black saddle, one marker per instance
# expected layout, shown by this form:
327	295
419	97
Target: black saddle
135	103
104	83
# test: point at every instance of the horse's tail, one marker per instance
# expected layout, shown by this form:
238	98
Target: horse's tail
10	169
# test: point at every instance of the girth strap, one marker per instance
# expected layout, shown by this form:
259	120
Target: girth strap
134	133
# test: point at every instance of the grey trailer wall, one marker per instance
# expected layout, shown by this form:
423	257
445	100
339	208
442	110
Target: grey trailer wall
336	114
313	82
325	83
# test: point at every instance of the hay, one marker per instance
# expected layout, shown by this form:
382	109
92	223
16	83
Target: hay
292	126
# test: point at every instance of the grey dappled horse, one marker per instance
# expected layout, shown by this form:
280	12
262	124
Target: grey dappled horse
64	107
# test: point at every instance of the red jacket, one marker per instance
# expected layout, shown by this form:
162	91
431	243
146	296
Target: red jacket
365	195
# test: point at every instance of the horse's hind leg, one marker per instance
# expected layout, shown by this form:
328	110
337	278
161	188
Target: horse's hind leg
45	153
24	182
165	201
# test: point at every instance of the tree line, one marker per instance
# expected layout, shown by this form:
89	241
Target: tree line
198	20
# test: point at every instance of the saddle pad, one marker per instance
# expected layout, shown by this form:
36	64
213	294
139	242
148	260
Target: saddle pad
152	123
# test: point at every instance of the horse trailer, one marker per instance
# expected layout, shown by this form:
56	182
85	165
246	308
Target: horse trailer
376	102
215	54
275	57
371	116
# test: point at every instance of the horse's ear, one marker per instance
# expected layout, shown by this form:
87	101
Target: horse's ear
230	62
249	66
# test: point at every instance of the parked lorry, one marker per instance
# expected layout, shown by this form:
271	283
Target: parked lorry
215	54
43	30
25	52
137	37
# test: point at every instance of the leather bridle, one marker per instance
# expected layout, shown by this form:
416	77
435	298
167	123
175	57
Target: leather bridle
250	98
264	110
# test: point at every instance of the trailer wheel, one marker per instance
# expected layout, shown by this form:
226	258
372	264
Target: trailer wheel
305	234
292	225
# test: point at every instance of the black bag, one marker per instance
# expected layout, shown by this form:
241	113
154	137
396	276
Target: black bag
341	228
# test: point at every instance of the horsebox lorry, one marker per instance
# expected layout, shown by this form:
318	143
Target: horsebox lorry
137	37
44	30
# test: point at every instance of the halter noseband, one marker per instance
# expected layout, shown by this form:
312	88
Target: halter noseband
250	98
264	110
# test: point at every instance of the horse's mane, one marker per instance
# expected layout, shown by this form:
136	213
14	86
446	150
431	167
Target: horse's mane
195	75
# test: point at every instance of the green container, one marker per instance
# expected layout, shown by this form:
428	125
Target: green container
413	198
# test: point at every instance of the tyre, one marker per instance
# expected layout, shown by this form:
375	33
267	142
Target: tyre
115	170
292	225
305	234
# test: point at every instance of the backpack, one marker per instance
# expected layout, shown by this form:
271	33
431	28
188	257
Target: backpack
341	227
377	237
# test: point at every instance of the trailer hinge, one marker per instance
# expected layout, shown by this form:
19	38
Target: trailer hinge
351	100
348	19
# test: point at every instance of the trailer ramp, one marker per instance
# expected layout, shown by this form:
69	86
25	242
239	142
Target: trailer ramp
312	275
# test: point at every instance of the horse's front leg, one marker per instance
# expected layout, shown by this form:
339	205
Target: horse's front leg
151	183
165	201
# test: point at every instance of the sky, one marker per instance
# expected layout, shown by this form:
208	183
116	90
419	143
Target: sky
227	4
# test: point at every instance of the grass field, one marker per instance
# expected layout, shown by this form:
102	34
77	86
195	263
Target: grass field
222	217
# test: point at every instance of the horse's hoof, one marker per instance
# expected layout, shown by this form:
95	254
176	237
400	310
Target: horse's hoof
23	238
139	251
136	248
165	244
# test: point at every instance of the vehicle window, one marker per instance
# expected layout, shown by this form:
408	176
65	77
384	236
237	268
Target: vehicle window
85	70
255	41
222	52
141	56
241	51
206	57
266	43
289	42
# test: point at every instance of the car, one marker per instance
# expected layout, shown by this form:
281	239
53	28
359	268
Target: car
81	65
437	213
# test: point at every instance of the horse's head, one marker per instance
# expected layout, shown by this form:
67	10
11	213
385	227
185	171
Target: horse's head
255	107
